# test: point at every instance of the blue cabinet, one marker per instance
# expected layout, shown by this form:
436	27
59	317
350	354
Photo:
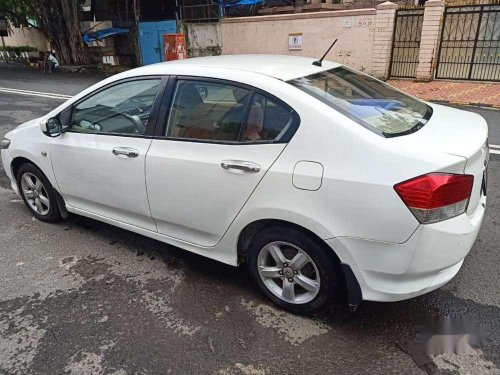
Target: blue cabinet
151	40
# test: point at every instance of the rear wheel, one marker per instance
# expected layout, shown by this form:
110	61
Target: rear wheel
293	269
37	193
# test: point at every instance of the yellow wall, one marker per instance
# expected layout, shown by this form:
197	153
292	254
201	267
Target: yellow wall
26	37
355	30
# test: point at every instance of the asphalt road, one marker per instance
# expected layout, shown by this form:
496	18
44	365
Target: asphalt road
83	297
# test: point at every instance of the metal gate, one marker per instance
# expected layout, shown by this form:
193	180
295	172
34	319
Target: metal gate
406	42
470	43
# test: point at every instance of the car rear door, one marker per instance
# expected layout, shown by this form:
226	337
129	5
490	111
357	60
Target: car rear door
217	142
99	162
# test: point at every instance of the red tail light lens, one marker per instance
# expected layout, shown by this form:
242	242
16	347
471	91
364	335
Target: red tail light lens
436	196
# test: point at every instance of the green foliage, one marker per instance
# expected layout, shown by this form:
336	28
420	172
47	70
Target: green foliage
18	49
58	20
18	12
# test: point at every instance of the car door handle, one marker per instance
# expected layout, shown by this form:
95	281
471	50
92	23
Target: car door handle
239	166
127	151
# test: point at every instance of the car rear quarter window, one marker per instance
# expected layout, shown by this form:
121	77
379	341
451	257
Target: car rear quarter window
366	100
267	120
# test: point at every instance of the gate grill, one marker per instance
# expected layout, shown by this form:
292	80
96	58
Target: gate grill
470	43
406	43
199	10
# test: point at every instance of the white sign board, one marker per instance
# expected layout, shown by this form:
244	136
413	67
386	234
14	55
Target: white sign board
346	22
295	41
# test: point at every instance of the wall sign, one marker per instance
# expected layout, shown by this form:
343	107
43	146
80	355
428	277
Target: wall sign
346	22
295	41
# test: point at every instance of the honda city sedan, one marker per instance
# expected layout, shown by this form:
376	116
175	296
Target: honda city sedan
322	179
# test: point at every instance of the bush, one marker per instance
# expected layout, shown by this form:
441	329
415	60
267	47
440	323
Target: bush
18	49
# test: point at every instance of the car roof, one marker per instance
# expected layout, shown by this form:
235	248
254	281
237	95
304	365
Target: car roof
282	67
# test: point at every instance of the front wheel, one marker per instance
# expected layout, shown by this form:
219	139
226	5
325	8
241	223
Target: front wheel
293	269
37	193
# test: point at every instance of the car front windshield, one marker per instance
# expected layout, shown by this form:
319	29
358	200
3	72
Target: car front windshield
367	101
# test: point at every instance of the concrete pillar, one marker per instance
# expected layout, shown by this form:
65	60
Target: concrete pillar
382	43
429	40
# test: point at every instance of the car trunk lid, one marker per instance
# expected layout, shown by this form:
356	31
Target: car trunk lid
456	132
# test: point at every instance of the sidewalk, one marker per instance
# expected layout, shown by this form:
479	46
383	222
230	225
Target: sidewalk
464	93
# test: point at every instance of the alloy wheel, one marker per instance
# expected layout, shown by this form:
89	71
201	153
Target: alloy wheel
288	272
35	193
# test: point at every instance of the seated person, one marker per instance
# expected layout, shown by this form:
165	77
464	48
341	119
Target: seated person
51	62
41	61
255	123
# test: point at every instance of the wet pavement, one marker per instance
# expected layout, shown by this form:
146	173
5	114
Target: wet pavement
83	297
14	75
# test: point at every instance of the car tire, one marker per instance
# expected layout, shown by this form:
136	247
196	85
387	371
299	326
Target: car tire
39	195
320	271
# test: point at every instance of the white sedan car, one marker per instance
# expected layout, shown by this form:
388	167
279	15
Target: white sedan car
320	178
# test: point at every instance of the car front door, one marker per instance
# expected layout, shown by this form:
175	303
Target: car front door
218	141
99	162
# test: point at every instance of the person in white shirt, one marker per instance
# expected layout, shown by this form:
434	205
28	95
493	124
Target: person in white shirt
52	62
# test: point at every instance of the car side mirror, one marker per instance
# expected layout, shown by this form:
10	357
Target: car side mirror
53	127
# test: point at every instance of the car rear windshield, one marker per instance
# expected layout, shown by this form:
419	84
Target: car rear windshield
371	103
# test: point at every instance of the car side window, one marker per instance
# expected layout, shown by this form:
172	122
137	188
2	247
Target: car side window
207	111
267	120
120	109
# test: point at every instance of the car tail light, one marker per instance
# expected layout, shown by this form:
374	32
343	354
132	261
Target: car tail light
436	196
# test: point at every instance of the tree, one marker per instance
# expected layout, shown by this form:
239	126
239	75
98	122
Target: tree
58	20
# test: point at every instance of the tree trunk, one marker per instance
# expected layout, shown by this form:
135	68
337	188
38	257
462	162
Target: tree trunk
59	20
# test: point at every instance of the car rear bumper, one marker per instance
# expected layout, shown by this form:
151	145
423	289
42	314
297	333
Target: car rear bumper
430	258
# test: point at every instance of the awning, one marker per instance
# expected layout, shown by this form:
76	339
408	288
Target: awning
230	3
102	34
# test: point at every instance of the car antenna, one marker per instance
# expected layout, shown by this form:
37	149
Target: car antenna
320	61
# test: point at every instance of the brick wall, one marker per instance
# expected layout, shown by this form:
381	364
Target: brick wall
429	42
382	45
